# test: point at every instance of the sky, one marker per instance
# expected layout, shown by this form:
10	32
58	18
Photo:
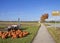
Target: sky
27	10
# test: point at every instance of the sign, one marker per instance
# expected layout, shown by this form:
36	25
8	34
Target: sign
55	13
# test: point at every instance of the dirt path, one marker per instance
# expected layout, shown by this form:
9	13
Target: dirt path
43	36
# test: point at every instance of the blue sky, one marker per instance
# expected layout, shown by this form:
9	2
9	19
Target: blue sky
27	10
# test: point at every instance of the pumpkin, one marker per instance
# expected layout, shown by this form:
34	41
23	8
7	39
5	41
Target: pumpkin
14	36
9	34
21	35
25	33
0	33
3	36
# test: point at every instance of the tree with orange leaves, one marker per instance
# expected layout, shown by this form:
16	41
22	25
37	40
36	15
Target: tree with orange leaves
43	17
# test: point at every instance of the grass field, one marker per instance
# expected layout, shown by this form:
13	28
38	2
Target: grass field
55	33
32	28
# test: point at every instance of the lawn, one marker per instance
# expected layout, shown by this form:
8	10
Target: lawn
32	28
55	33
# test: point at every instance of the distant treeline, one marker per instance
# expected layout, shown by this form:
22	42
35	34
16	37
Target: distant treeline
52	21
20	21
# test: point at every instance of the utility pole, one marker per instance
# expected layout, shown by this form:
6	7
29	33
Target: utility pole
19	22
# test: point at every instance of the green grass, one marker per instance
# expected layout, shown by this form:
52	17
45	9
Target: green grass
32	28
46	24
55	33
2	27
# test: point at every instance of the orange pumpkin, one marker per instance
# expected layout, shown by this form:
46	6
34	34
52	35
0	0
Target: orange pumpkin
19	31
3	36
21	35
25	33
14	36
9	34
0	33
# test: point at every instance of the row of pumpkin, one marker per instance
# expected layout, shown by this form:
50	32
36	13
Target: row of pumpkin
13	34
